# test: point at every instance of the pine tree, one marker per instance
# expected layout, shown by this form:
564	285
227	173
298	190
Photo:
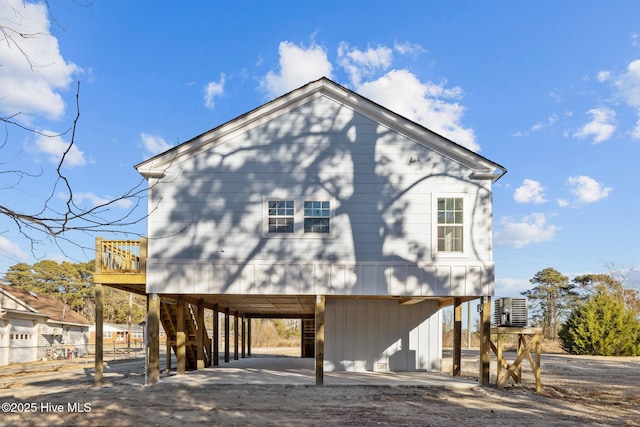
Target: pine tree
550	300
602	325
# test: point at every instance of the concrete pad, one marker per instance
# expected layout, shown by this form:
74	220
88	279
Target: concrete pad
300	371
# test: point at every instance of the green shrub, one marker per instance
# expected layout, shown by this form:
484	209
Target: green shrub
602	325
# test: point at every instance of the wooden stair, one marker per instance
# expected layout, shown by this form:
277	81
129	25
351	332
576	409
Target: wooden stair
168	317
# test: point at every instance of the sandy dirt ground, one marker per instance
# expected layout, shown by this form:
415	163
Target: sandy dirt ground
577	390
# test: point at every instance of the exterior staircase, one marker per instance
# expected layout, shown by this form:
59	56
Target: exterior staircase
169	316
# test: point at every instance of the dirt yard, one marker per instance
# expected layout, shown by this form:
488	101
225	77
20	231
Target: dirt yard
577	391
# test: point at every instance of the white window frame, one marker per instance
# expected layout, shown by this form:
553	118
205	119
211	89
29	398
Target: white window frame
466	225
298	217
312	216
284	216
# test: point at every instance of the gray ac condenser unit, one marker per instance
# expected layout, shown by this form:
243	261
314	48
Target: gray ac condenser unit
511	312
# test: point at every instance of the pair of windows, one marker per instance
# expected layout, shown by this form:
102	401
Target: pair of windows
282	216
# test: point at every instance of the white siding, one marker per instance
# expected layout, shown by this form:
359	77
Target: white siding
212	207
372	335
4	343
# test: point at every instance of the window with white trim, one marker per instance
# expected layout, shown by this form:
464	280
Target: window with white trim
450	224
280	216
317	216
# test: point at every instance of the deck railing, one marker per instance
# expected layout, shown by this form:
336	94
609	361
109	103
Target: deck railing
121	256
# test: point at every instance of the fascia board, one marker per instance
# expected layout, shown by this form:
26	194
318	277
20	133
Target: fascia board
483	168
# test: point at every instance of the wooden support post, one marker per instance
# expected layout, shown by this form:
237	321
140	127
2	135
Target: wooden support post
181	340
249	336
320	306
216	336
244	335
226	335
99	356
210	344
457	337
168	354
536	367
302	338
485	341
153	339
200	335
468	345
236	336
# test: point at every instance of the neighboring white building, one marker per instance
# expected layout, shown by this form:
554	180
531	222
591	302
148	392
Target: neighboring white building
322	192
37	326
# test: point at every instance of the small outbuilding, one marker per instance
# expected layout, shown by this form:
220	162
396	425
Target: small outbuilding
36	326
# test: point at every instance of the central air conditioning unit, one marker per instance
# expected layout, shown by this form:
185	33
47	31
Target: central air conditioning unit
511	312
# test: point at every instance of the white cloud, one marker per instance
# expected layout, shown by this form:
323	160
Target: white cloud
603	76
601	127
528	230
12	250
529	192
359	64
298	66
94	200
563	203
541	125
426	103
54	146
154	144
430	104
509	287
587	189
408	48
33	71
628	84
212	90
635	133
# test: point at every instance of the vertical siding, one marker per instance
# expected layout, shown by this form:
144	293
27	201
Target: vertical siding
370	335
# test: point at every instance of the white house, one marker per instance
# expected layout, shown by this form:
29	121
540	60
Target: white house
36	326
324	200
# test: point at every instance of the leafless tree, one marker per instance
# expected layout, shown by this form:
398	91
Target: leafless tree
49	220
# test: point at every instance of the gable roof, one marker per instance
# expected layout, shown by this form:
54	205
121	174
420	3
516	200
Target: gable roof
483	168
46	305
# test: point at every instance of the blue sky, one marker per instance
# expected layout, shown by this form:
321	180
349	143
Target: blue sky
548	89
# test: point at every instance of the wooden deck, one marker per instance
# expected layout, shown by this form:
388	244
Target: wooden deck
121	264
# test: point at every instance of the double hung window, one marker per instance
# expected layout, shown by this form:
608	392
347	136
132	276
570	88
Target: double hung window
316	217
281	216
450	224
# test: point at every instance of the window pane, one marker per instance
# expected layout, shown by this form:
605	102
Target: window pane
450	239
316	225
316	209
280	225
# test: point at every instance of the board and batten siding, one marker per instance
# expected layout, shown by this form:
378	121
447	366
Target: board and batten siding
382	335
207	221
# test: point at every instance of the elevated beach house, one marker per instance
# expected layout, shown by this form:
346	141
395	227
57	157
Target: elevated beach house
324	206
